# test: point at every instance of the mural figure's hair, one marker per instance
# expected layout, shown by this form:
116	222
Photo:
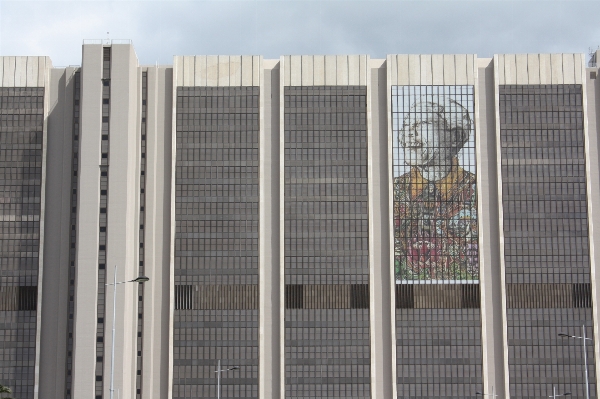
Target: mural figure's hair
456	118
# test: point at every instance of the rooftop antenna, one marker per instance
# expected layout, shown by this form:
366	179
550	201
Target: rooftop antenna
592	54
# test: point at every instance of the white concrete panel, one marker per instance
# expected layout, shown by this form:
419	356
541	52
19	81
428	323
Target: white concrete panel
32	71
1	70
296	70
8	80
235	70
568	69
307	70
188	70
499	68
20	71
414	69
363	69
330	70
556	66
319	70
394	70
342	70
353	70
460	69
285	69
212	70
533	69
256	68
391	69
84	330
545	69
44	65
471	65
510	69
426	70
579	70
178	70
437	69
522	73
449	70
246	70
223	79
402	65
200	70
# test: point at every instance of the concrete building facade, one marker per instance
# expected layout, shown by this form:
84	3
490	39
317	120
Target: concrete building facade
316	226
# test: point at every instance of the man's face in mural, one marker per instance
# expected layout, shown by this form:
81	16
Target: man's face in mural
424	138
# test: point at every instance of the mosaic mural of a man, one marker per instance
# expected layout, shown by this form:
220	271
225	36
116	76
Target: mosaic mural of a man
435	201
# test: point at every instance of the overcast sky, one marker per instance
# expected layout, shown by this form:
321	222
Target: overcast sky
161	29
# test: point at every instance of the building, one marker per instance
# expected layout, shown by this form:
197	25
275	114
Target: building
335	226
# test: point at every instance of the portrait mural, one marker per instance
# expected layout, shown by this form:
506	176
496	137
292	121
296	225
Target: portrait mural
434	185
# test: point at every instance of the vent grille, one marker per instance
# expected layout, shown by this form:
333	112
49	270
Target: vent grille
18	298
212	297
327	296
437	296
540	295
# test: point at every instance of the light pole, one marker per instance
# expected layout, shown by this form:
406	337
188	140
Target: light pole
219	370
140	279
493	394
583	338
554	395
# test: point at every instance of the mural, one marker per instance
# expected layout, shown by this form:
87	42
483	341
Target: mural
434	187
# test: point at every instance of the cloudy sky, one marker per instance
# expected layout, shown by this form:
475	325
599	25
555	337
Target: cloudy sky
161	29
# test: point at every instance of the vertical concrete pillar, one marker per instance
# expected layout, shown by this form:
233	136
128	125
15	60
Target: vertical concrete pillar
381	293
57	236
85	314
489	232
270	216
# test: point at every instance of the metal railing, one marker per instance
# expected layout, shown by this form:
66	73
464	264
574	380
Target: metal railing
107	41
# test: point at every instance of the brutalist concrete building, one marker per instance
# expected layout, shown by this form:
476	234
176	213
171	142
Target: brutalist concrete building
312	226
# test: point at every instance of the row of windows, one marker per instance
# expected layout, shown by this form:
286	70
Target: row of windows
215	190
19	139
322	140
326	189
559	152
519	115
549	206
236	210
216	244
345	120
324	101
236	121
217	137
32	120
326	225
205	102
216	172
220	154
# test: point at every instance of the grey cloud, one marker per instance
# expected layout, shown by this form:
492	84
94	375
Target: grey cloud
161	29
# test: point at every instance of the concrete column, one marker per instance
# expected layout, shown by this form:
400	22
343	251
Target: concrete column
123	217
381	292
591	111
491	287
53	345
157	230
270	377
85	315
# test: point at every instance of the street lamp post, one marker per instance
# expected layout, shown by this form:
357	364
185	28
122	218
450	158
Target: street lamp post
140	279
493	394
219	370
583	338
554	395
